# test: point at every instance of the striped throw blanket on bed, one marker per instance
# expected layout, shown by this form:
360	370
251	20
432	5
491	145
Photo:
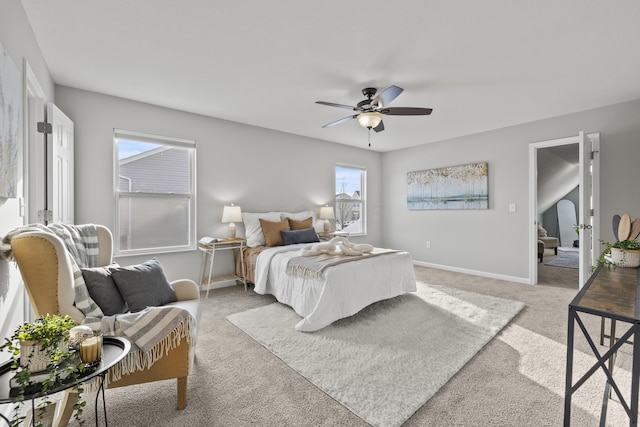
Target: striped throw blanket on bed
313	267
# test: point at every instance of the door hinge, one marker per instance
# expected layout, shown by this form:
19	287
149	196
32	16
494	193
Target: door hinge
591	212
44	127
45	216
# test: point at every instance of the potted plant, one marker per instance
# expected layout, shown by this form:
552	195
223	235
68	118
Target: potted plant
623	253
42	361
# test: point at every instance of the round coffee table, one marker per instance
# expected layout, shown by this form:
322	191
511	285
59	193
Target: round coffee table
114	349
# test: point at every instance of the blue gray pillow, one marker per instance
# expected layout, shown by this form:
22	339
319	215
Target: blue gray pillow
143	285
306	235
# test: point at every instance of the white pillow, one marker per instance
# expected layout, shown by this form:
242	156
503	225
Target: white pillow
298	216
253	229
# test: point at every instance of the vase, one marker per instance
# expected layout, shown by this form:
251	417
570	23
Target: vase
625	257
33	357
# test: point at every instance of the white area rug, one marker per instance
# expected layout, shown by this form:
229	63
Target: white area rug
386	361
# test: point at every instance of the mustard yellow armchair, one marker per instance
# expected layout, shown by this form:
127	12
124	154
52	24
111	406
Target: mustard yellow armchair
46	269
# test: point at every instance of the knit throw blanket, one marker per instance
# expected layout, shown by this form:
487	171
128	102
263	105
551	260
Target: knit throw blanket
153	331
313	267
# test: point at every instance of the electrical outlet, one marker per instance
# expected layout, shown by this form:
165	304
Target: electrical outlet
512	207
428	244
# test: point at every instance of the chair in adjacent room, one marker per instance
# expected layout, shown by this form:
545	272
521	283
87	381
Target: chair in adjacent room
549	241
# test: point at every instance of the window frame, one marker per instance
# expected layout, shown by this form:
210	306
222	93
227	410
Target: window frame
363	197
166	141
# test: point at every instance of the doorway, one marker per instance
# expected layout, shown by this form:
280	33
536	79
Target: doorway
556	167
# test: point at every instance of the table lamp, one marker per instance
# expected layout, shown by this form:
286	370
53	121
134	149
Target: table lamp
326	213
231	214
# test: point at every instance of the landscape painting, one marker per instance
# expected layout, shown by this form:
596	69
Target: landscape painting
454	187
10	108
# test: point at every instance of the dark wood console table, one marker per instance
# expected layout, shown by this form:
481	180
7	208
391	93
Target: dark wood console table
612	294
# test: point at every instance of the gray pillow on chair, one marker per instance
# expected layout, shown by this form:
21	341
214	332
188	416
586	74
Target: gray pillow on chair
103	290
143	285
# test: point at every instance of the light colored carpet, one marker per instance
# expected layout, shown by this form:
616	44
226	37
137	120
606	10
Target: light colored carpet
567	259
385	362
515	380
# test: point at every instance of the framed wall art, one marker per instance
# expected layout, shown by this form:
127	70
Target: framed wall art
454	187
10	133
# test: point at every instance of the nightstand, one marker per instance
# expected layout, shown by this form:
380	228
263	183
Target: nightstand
208	254
325	236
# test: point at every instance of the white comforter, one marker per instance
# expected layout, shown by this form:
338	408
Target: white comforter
343	290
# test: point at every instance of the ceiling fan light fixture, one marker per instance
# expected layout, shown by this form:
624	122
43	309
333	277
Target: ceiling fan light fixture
370	119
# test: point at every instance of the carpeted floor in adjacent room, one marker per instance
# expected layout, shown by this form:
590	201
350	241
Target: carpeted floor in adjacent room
517	379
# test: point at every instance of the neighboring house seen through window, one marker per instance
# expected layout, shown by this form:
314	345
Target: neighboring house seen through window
350	207
155	193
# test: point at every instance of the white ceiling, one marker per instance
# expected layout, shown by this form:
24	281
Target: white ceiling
480	65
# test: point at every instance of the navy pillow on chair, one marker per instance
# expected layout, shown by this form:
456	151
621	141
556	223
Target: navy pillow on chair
306	235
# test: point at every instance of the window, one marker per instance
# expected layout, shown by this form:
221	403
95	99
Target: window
154	193
350	208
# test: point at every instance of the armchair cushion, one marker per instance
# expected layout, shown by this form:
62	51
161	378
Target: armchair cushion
103	290
143	285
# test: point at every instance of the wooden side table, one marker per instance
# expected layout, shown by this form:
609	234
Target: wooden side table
208	255
325	236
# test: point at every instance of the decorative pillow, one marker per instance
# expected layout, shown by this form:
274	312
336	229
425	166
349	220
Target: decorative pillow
271	231
253	229
299	216
541	231
143	285
103	290
306	235
294	224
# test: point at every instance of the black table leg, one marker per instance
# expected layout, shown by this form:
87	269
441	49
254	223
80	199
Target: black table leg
569	377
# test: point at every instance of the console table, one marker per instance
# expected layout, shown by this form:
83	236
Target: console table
114	349
612	294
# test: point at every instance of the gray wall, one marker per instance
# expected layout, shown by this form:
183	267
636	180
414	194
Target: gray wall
258	169
495	242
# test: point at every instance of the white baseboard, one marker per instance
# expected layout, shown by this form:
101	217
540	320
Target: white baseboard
523	280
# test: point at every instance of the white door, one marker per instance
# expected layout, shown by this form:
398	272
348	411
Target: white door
589	195
60	170
588	219
37	195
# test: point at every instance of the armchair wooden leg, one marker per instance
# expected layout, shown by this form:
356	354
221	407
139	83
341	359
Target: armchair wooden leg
182	393
70	399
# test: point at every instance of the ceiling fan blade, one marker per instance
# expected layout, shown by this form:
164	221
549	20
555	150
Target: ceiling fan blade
337	122
380	127
331	104
387	95
406	111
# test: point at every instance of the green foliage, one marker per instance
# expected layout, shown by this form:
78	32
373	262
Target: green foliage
52	331
625	245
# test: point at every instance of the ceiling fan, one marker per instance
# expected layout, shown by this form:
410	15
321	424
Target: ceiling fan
370	110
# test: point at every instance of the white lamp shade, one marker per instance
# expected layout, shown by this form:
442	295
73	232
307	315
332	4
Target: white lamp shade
326	212
231	214
370	119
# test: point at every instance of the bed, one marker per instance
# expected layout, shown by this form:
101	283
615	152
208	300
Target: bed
338	291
